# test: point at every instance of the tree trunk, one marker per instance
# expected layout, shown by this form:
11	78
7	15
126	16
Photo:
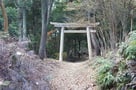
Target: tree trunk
131	18
20	24
95	44
4	15
45	18
24	23
21	20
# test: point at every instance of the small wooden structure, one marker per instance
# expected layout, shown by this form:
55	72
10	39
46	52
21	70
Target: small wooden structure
88	29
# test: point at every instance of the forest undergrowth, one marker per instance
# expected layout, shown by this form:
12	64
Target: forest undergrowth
117	69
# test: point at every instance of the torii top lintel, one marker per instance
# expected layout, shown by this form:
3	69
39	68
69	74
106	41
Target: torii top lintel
56	24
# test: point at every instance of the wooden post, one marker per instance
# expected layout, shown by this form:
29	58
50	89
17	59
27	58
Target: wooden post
89	43
61	44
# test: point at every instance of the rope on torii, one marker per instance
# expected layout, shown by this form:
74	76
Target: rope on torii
88	28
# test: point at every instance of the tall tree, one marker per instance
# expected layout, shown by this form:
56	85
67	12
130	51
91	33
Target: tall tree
20	22
22	6
2	6
46	8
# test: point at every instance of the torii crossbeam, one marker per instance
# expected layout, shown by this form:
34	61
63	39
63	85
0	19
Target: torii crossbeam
88	28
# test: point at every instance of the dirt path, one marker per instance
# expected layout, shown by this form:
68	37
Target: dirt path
73	76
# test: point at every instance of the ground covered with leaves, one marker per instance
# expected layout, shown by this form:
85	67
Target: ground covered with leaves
21	69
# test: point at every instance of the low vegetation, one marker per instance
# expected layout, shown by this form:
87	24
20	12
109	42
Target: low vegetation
118	73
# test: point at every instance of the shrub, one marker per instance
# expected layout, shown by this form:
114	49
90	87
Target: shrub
122	79
128	48
56	55
107	78
104	77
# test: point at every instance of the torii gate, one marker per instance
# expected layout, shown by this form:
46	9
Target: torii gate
88	28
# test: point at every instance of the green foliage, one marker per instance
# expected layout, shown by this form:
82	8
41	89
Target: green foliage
122	76
105	78
33	19
131	52
56	55
132	36
57	15
4	35
128	48
128	51
12	18
52	48
13	31
24	3
101	61
34	45
122	79
122	65
122	48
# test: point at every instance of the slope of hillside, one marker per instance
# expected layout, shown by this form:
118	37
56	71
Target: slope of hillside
21	69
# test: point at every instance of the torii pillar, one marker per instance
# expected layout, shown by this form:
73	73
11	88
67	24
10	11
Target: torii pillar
75	25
